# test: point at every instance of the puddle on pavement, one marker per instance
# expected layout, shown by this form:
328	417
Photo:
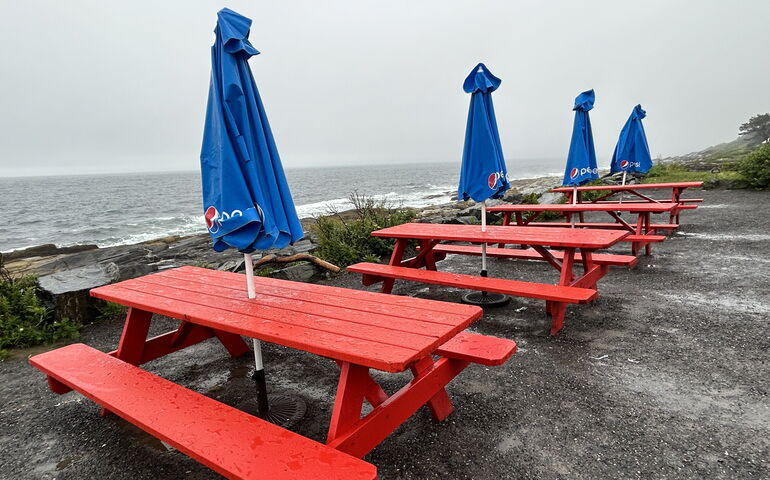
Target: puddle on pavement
749	237
239	372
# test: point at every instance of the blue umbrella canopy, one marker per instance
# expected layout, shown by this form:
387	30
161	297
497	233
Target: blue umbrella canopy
632	154
483	174
581	160
246	199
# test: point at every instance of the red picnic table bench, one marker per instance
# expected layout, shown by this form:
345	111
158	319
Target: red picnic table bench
574	245
359	330
677	188
641	234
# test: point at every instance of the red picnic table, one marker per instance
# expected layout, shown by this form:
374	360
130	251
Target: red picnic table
642	232
676	194
359	330
573	245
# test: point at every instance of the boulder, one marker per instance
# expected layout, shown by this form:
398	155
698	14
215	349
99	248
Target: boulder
550	198
66	292
300	272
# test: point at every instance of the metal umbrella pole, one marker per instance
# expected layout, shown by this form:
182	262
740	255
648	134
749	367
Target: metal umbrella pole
283	410
485	299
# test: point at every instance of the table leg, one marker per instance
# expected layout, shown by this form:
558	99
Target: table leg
648	245
507	222
134	336
557	310
395	259
357	436
440	405
426	247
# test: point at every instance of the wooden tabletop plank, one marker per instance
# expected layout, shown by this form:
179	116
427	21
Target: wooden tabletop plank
369	353
636	186
336	296
522	235
337	319
343	293
632	207
364	335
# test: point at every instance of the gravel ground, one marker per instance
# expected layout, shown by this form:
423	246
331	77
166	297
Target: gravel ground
665	376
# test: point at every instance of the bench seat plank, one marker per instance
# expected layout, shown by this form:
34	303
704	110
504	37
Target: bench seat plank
227	440
517	288
654	226
481	349
645	238
530	254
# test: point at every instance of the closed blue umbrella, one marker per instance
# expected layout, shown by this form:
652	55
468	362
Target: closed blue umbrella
483	174
581	160
246	200
632	154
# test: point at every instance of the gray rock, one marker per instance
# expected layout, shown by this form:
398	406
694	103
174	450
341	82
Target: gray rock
550	198
301	272
229	266
67	291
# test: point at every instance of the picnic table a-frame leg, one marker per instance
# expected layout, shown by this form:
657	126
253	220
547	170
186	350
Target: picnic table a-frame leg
135	348
357	435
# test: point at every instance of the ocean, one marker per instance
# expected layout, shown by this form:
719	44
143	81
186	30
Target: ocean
109	210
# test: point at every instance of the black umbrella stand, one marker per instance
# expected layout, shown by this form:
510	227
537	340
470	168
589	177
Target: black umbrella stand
283	410
485	299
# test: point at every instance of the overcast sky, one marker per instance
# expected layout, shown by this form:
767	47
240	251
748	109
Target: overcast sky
121	86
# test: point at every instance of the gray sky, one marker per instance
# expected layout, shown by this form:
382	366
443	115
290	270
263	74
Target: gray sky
121	86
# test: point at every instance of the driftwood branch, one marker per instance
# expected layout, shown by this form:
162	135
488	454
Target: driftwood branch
273	258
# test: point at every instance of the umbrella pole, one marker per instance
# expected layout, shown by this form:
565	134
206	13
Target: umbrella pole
484	245
574	202
259	368
484	299
622	182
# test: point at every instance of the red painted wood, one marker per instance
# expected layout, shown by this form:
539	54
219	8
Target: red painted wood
632	207
330	319
372	353
131	345
510	287
482	349
600	258
423	322
553	237
162	345
635	186
557	311
351	390
439	405
368	432
362	338
354	300
656	226
227	440
645	238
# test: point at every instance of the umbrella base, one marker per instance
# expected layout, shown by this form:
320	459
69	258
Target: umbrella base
284	410
486	299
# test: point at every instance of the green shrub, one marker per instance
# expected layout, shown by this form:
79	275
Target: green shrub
24	320
110	311
534	199
345	238
755	167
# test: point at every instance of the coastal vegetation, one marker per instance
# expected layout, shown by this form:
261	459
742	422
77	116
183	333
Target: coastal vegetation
344	238
755	167
25	321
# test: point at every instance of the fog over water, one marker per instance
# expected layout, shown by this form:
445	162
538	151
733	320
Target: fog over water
121	86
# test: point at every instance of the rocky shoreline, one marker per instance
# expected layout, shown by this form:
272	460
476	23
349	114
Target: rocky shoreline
66	274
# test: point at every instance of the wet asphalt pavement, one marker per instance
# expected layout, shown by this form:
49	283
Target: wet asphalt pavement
665	376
